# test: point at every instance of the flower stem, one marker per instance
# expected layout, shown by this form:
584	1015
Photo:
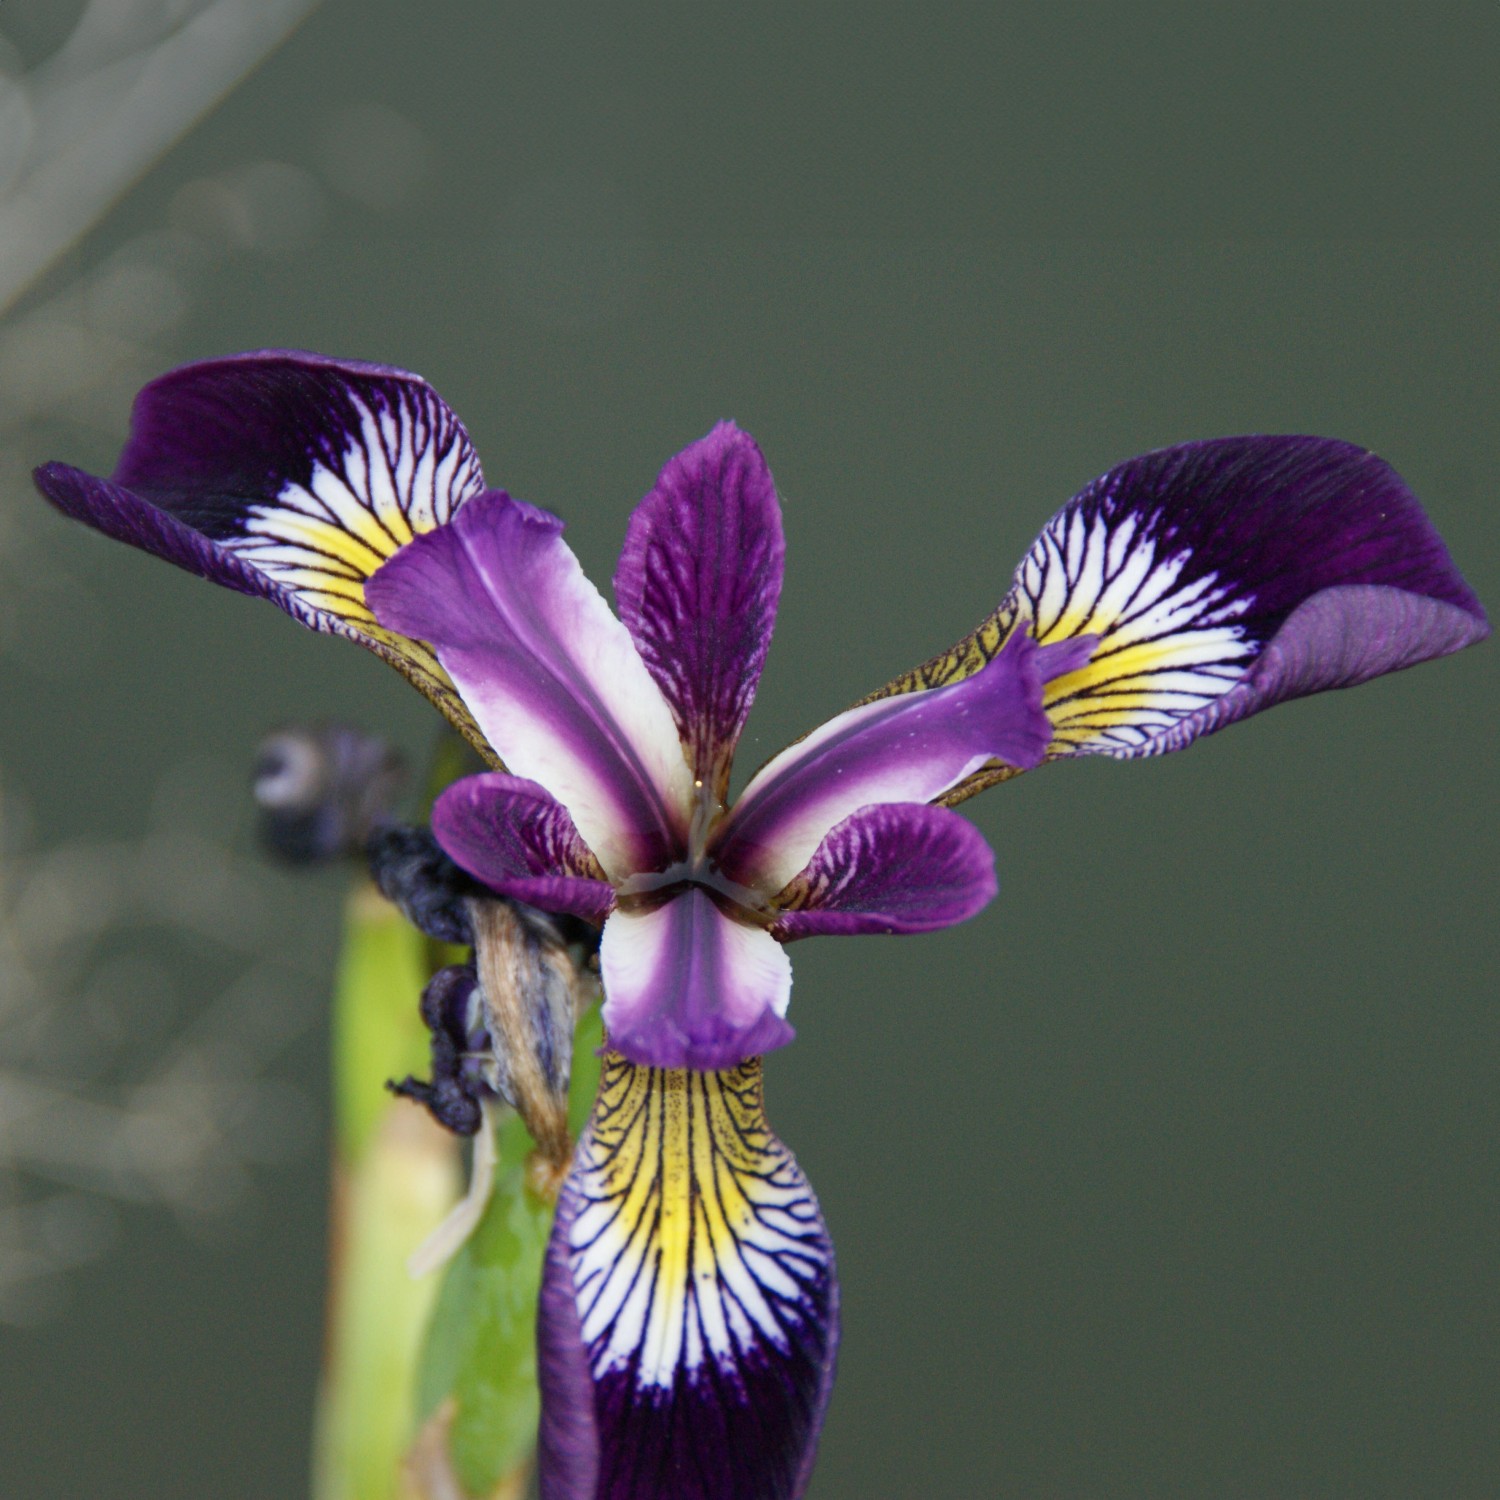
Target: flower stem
395	1174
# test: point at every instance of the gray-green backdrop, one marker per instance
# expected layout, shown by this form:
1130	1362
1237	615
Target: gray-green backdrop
1173	1174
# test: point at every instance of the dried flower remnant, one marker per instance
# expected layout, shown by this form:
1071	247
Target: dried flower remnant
688	1318
323	791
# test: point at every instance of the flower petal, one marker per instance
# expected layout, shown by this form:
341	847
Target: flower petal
895	867
292	477
689	1311
1220	578
519	840
912	748
549	672
697	586
687	987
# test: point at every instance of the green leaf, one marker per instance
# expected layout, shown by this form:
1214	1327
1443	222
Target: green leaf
481	1345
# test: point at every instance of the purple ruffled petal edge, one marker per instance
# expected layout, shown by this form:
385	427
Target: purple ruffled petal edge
895	868
1339	638
215	441
125	517
568	1434
519	840
697	585
1222	577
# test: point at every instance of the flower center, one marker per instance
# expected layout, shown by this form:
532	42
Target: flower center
652	887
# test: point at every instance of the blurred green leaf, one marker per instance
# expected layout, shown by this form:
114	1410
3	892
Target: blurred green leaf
481	1346
377	1023
395	1176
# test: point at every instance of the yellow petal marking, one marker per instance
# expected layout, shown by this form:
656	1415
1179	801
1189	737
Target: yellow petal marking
697	1235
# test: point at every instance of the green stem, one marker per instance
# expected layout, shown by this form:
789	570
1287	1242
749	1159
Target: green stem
395	1175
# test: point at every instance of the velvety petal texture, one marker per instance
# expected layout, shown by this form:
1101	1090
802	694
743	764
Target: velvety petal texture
519	840
697	585
1220	578
896	867
899	749
1338	638
288	476
690	1305
548	671
686	986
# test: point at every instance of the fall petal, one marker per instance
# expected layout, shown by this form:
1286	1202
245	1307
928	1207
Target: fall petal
1219	578
288	476
689	1310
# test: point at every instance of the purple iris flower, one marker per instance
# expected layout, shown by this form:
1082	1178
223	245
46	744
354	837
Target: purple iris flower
689	1313
620	733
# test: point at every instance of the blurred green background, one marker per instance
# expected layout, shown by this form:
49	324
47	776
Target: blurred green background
1173	1174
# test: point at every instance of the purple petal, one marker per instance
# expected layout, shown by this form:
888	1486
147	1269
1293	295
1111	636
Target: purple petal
1222	577
567	1440
896	867
288	476
548	671
688	1321
126	517
517	839
697	586
1338	638
911	748
687	987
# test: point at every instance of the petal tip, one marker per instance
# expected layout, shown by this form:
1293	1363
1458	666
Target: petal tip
660	1041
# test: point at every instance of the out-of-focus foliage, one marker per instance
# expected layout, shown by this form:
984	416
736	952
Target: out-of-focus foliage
396	1174
76	131
114	1086
478	1374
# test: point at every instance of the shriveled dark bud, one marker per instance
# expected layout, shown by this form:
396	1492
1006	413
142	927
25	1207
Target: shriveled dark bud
412	872
322	790
532	993
461	1056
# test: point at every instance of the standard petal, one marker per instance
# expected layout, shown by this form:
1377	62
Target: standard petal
290	476
519	840
687	987
689	1312
896	867
1222	577
549	672
697	586
911	748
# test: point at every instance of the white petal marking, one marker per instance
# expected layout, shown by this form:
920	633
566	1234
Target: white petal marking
356	508
698	1238
1169	644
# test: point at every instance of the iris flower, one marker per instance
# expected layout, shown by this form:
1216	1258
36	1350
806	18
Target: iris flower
688	1319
